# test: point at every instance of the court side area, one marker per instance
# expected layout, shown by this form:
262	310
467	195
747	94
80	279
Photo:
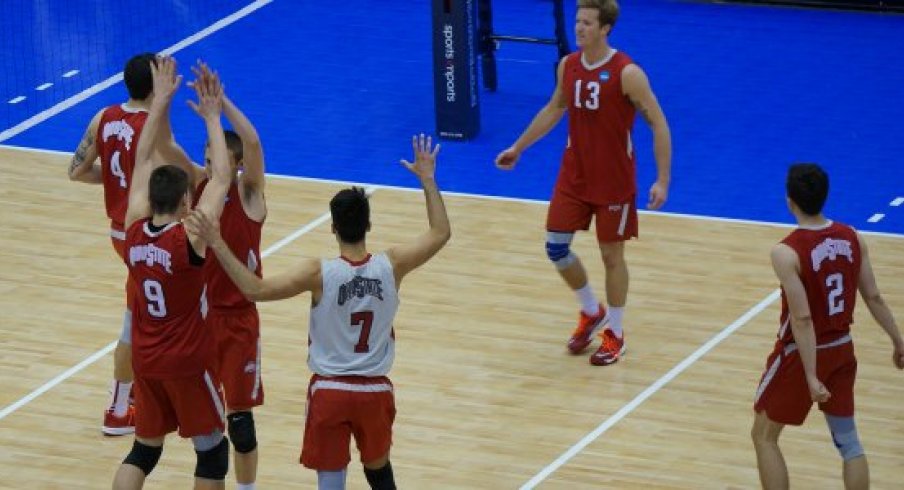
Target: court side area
487	396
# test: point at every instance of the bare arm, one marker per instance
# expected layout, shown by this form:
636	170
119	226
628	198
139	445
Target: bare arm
209	108
301	278
636	87
252	151
540	126
787	268
869	291
166	81
412	255
82	167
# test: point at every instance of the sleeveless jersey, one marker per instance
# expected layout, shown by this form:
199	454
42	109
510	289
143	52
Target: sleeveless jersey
243	235
117	142
598	165
829	269
169	337
351	327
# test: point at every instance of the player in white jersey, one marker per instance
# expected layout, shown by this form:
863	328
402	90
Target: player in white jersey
351	342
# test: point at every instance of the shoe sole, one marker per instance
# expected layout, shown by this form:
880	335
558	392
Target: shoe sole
117	431
599	326
621	354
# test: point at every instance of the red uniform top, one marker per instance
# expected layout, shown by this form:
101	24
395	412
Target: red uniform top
243	235
829	269
598	166
169	336
117	142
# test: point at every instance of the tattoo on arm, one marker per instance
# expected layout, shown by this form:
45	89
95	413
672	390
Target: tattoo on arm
81	152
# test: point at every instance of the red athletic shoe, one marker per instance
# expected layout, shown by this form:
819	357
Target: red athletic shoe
119	426
611	350
587	326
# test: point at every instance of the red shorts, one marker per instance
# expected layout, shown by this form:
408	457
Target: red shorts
238	341
120	247
614	222
783	391
193	405
339	407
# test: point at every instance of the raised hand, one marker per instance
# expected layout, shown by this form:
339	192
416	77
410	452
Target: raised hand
166	80
424	165
209	91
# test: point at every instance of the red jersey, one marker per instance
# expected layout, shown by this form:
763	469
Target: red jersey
243	235
117	143
598	165
169	336
829	269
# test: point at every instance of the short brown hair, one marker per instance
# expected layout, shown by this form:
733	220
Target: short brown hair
608	10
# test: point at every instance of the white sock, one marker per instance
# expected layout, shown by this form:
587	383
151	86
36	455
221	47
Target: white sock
589	304
616	313
244	486
120	402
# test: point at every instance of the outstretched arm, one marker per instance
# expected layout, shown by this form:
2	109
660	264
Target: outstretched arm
299	279
82	167
412	255
166	81
540	126
880	311
636	87
787	268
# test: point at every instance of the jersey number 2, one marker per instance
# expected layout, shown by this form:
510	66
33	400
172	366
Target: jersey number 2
593	95
364	319
836	302
153	292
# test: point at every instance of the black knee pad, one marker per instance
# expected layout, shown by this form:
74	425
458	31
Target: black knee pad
213	464
381	479
144	457
241	431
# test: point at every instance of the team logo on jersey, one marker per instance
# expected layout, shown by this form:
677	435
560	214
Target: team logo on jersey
604	76
360	287
831	249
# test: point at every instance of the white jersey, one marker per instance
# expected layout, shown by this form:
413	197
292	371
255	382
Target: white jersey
351	328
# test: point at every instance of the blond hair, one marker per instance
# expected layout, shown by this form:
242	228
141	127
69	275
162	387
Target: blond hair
608	10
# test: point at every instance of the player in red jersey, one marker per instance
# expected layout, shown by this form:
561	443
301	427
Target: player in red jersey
821	265
231	318
173	353
112	136
601	89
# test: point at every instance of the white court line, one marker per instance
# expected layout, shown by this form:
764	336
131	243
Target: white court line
875	218
43	86
653	388
97	355
897	202
695	217
16	100
75	99
57	380
66	104
70	73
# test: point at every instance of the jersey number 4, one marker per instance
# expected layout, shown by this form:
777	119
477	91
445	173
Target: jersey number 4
592	101
365	320
116	169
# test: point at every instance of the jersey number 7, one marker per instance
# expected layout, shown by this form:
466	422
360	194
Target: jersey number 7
364	319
